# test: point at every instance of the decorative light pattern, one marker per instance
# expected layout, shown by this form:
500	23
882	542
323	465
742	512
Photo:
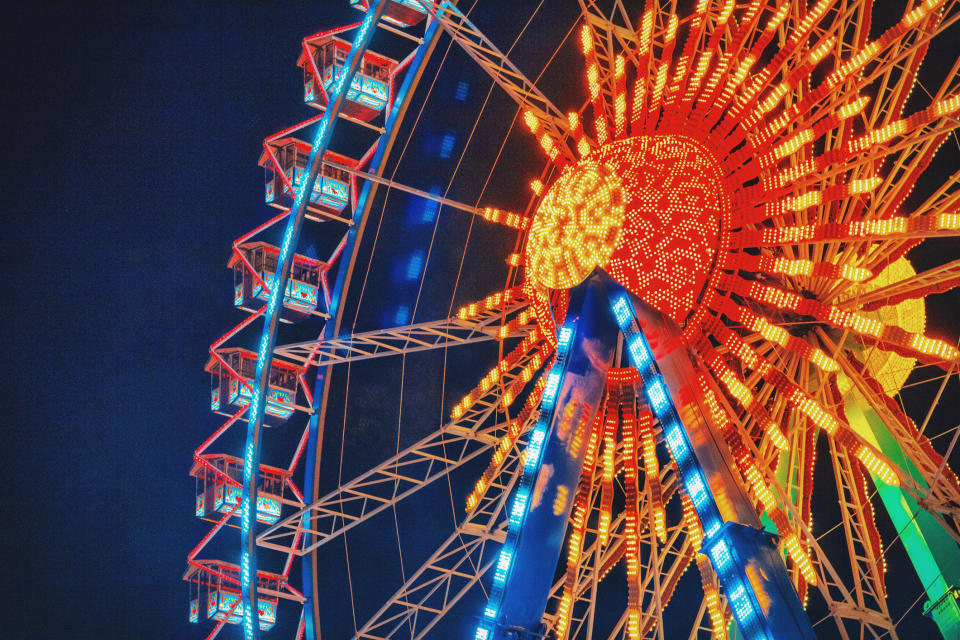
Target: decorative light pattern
579	523
876	464
673	200
576	226
611	422
506	218
631	512
712	597
506	443
740	593
651	468
532	343
493	302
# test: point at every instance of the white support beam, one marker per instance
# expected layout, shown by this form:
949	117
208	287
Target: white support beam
404	339
451	571
504	73
397	478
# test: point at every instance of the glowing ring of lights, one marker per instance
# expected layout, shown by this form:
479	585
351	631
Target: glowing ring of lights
577	226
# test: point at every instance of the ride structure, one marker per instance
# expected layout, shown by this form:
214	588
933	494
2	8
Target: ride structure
710	290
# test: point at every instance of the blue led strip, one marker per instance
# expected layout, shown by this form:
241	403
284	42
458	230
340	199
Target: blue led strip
332	328
251	458
518	508
730	573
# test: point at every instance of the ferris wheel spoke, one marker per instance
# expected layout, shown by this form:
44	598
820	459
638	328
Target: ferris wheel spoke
906	167
399	186
578	584
597	560
506	74
660	576
712	608
404	339
942	497
936	280
941	205
946	199
862	538
451	571
383	486
701	622
604	35
838	597
836	594
617	27
892	95
399	477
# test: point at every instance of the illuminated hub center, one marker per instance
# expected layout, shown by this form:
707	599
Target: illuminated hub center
576	226
645	209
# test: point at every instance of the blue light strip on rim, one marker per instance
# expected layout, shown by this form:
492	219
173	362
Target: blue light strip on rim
730	571
518	508
251	458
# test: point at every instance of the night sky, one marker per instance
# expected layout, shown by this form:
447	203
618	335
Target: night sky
134	131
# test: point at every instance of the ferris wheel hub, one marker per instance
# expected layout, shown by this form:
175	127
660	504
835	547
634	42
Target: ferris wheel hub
646	209
577	225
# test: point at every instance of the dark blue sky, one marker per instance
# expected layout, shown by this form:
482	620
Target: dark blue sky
133	132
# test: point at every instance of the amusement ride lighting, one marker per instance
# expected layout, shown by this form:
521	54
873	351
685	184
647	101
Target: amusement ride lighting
531	464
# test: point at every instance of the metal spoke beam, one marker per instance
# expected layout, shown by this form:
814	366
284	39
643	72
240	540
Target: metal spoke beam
397	478
594	562
399	186
624	34
664	570
603	34
594	559
936	280
493	61
660	574
839	599
450	572
868	586
942	499
701	624
597	560
404	339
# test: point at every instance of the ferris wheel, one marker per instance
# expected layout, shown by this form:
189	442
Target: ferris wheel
694	382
